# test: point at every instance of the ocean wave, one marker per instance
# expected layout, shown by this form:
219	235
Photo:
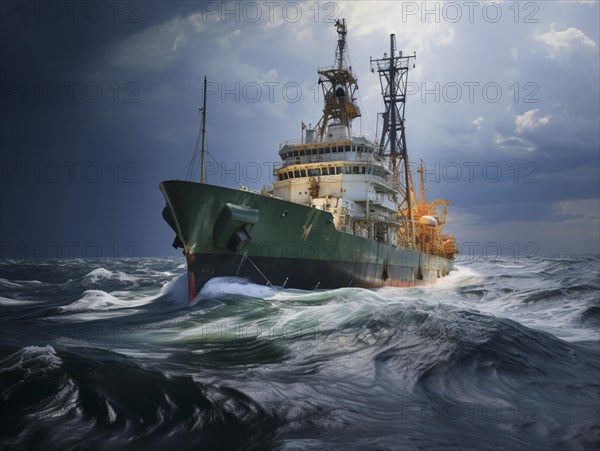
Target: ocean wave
6	283
105	394
100	275
31	360
15	302
33	385
98	300
176	289
227	286
494	355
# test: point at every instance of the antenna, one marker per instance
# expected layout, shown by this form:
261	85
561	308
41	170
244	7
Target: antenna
202	172
340	26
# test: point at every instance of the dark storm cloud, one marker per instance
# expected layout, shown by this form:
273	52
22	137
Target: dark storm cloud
143	126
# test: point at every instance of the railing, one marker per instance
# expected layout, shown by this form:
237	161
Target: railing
289	142
381	182
384	201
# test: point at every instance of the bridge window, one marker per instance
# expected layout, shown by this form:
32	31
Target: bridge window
302	173
338	170
362	170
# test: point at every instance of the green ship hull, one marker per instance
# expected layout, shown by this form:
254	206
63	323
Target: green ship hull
227	232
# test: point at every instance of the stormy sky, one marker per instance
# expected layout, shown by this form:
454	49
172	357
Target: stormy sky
99	103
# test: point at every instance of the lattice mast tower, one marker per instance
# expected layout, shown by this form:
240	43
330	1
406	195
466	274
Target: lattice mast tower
339	85
393	77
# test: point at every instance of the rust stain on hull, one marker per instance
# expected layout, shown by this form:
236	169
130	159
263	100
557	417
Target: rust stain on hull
192	292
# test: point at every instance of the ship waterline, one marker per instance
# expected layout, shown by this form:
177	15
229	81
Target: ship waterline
228	232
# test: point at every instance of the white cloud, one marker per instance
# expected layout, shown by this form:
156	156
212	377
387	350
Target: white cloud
579	210
446	39
528	121
477	122
198	21
225	41
375	17
151	49
513	143
560	43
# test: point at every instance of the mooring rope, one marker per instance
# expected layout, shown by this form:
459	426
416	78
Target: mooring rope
261	273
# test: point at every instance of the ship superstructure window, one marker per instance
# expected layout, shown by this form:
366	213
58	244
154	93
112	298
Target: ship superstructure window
326	150
333	170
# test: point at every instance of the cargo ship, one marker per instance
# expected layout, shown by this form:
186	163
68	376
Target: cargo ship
342	210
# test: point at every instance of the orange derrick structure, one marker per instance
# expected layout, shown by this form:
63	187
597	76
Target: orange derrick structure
429	221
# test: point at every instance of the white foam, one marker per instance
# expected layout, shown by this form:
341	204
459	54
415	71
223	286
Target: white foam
222	286
101	274
45	356
176	289
458	276
112	416
101	300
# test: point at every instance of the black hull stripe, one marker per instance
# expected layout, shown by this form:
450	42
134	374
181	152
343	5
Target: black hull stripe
307	274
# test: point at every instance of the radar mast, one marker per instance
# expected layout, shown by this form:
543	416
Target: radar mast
393	77
339	85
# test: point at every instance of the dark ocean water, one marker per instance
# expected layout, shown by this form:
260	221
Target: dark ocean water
106	354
